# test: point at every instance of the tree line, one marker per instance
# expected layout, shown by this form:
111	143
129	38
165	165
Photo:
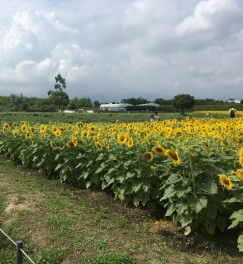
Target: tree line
58	99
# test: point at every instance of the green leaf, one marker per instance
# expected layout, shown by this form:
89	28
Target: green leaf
187	230
211	210
136	201
240	242
130	175
201	203
88	184
237	218
185	220
101	168
136	187
210	226
221	223
170	210
58	166
207	185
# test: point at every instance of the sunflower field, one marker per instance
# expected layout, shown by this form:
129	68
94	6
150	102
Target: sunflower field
192	169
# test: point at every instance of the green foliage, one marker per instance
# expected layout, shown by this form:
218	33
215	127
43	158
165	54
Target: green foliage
58	97
135	101
183	102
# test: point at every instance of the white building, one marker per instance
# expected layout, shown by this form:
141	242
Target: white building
234	101
114	107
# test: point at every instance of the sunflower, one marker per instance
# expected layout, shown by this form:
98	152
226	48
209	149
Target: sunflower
191	154
27	135
239	174
6	126
14	124
148	156
23	128
61	129
92	128
106	143
121	138
85	133
54	129
43	128
173	156
74	140
58	133
95	138
225	181
130	142
241	156
159	150
98	146
14	133
52	145
153	170
70	144
79	124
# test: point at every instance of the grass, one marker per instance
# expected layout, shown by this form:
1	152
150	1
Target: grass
43	118
59	223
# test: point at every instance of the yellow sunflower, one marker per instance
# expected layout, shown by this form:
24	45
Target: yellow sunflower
23	128
54	129
98	146
70	144
225	181
106	143
58	133
130	142
6	126
27	135
61	129
191	154
239	174
85	133
43	128
241	156
148	156
52	145
159	150
14	133
121	138
173	156
74	140
92	128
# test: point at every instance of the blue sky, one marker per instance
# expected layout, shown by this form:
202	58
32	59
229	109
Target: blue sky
110	50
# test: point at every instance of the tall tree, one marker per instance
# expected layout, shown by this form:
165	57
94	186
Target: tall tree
16	100
183	102
58	97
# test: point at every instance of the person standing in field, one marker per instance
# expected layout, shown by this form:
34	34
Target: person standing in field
156	116
232	112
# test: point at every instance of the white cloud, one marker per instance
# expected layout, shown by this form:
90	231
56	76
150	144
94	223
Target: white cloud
157	48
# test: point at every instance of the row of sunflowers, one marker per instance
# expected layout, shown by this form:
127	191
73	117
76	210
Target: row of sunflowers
192	169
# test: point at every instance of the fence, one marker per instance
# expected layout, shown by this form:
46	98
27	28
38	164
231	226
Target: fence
19	250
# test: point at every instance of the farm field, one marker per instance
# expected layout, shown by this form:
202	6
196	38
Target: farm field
184	169
60	223
44	118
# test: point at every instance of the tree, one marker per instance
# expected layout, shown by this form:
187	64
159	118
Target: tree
85	102
162	101
58	97
96	103
183	102
135	101
16	101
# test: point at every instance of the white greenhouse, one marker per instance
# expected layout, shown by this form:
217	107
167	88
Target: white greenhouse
114	107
